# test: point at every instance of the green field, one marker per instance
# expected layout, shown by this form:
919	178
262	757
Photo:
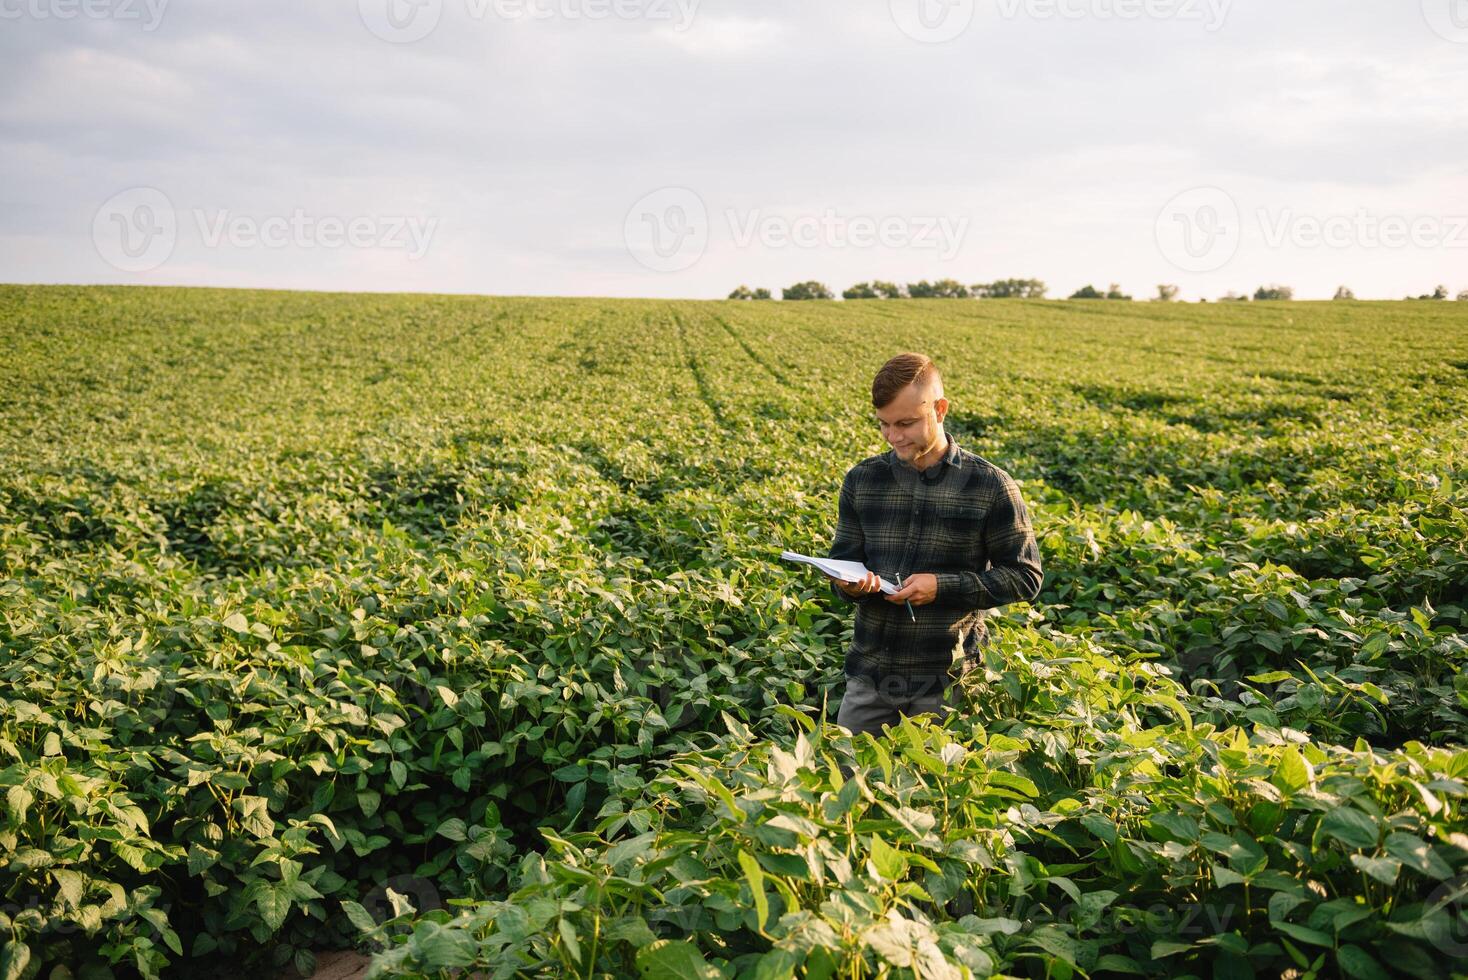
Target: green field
315	605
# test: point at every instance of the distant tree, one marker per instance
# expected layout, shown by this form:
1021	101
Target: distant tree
744	292
1440	292
1010	289
1233	297
1166	294
942	289
1463	296
1274	292
1088	292
809	289
862	290
888	290
1344	293
1115	293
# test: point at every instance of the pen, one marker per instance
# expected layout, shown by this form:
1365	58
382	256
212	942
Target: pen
906	603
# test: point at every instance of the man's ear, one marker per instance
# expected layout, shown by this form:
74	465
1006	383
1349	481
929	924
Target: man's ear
940	407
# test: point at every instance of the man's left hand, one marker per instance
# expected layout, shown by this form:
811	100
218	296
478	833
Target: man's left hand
917	589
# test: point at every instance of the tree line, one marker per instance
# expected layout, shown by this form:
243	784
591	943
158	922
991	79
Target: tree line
1023	289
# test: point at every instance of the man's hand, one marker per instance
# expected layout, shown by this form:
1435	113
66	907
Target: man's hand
871	583
918	589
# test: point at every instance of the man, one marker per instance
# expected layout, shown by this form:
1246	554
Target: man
951	525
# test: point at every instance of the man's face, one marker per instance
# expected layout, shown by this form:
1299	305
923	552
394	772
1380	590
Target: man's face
910	422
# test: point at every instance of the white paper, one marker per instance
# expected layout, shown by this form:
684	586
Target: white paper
846	571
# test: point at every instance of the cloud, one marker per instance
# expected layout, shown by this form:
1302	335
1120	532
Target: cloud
726	37
529	137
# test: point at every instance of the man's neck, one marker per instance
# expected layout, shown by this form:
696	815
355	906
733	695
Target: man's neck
933	453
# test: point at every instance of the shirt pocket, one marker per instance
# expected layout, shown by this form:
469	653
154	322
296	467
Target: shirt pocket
959	527
960	512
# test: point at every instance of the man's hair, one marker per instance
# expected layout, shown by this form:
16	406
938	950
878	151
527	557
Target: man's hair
901	371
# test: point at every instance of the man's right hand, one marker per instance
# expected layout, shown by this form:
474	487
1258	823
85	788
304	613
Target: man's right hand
868	585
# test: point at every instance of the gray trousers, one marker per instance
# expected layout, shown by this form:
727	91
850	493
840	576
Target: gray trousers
866	707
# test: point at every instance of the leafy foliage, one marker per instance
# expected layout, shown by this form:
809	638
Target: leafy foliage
319	626
809	289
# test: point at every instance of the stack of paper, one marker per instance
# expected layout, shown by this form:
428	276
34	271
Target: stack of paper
846	571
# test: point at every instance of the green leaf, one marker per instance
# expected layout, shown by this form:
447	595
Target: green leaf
1063	947
158	918
1383	869
1101	826
1164	948
368	801
446	948
1351	827
237	622
1355	962
567	930
574	773
756	878
70	885
14	958
139	858
19	799
1417	854
632	929
33	859
1116	963
889	862
1375	645
1223	877
777	964
669	959
201	859
1293	772
359	917
1303	933
255	815
453	828
1273	677
1011	781
273	899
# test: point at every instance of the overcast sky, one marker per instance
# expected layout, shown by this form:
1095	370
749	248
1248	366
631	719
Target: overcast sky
681	147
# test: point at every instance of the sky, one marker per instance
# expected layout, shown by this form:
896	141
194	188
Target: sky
680	148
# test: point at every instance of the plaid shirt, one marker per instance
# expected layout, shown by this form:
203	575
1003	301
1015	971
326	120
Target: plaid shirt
962	519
